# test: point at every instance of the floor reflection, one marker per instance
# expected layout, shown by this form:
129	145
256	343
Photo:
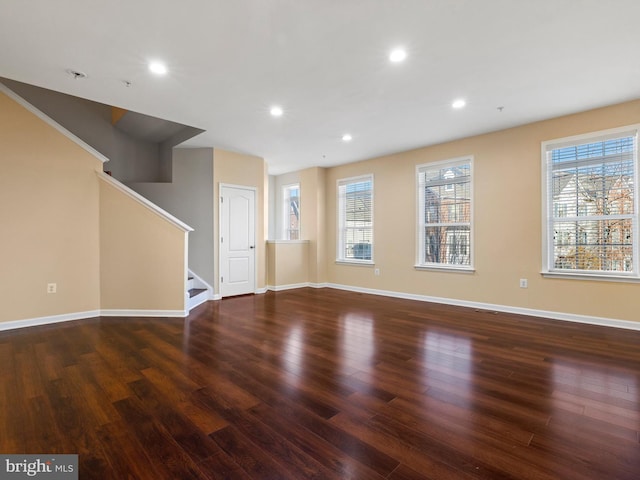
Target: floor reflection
587	390
293	354
448	358
358	343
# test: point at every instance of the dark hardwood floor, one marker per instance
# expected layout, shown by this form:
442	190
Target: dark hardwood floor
326	384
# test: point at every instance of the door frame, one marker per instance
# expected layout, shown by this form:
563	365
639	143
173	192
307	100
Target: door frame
222	185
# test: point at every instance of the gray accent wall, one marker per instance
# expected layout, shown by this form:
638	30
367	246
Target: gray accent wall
130	159
139	147
189	197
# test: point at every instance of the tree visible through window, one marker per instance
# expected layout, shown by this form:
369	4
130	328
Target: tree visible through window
291	195
592	212
444	209
355	219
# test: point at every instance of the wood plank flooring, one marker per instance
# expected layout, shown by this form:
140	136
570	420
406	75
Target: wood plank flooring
326	384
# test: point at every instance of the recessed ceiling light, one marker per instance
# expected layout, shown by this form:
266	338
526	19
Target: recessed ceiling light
347	137
158	68
276	111
398	55
459	103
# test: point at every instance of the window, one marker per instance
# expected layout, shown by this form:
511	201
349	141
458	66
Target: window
445	214
355	219
291	195
591	220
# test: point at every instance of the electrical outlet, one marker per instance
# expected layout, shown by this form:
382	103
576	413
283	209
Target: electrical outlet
524	283
52	287
376	272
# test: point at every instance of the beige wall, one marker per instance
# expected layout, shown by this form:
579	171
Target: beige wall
287	262
312	215
312	181
48	217
242	170
507	223
142	256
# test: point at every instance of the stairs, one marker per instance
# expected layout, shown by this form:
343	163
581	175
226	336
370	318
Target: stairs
197	290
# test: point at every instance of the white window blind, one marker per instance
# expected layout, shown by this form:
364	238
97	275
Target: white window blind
355	219
291	196
591	224
445	214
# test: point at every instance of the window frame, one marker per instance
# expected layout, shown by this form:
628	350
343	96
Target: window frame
340	249
421	263
548	257
286	231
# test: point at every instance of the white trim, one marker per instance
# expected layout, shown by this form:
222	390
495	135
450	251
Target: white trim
339	250
221	186
143	201
591	277
261	291
51	122
419	233
32	322
546	147
198	282
443	268
285	242
357	263
292	286
67	317
198	300
143	313
591	137
203	284
568	317
234	185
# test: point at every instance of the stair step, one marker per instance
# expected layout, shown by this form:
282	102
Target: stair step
196	291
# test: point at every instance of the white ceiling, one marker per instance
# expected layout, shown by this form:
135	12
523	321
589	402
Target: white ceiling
326	63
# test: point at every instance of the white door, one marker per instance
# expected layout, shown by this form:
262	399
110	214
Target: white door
237	241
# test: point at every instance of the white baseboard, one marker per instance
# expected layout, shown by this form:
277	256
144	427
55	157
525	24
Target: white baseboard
198	300
32	322
143	313
67	317
281	288
200	283
568	317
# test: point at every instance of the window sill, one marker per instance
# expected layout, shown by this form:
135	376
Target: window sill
287	241
451	269
361	263
592	276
